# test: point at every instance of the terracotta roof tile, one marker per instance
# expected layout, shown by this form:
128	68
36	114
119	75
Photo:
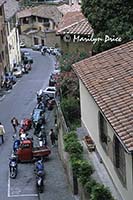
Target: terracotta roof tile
74	23
11	7
108	76
47	11
65	8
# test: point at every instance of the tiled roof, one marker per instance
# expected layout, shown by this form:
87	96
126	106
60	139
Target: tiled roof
46	11
2	1
65	8
108	76
74	23
11	7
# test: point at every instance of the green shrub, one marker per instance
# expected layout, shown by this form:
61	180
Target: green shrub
73	147
70	136
89	185
100	192
71	109
76	163
85	172
76	123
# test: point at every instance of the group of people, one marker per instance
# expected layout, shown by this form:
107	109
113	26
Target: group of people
15	123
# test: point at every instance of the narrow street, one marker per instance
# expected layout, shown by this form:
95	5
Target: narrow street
20	103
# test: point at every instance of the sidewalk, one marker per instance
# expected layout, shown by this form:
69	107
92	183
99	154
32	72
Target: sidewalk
100	174
56	186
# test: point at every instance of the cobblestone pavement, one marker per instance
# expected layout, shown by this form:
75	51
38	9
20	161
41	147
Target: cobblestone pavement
56	186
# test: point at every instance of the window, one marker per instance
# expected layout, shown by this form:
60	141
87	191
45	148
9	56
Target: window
3	55
26	20
119	160
39	19
46	20
35	41
33	18
1	11
103	131
2	36
6	49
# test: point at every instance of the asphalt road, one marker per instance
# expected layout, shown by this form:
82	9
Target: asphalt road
20	103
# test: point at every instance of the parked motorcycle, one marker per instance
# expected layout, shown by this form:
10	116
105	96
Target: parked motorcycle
13	166
40	182
39	169
7	84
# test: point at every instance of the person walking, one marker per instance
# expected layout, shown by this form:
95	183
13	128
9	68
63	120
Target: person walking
52	137
2	132
14	123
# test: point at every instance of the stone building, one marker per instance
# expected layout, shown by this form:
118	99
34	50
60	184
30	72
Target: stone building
12	32
4	59
73	29
38	23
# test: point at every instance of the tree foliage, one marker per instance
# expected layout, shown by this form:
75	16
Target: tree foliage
113	18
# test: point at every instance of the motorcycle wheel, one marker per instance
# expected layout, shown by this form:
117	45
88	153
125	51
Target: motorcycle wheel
13	174
40	189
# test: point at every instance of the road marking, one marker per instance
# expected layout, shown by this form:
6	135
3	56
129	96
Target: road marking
24	195
8	185
17	195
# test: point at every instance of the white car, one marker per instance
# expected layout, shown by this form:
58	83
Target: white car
50	91
17	71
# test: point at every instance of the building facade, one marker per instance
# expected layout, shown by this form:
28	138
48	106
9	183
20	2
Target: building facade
12	32
37	24
73	29
106	93
4	59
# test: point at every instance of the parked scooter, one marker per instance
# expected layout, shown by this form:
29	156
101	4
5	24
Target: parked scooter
39	169
13	166
7	84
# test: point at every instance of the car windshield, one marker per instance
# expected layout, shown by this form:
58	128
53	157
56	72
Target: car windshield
51	89
36	114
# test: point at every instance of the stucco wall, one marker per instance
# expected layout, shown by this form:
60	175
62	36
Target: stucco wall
89	117
76	47
52	40
14	49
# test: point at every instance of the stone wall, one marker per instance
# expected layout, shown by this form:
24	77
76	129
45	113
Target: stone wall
76	187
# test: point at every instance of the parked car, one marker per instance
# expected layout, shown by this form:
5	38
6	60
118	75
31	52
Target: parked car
50	92
17	71
37	47
36	115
